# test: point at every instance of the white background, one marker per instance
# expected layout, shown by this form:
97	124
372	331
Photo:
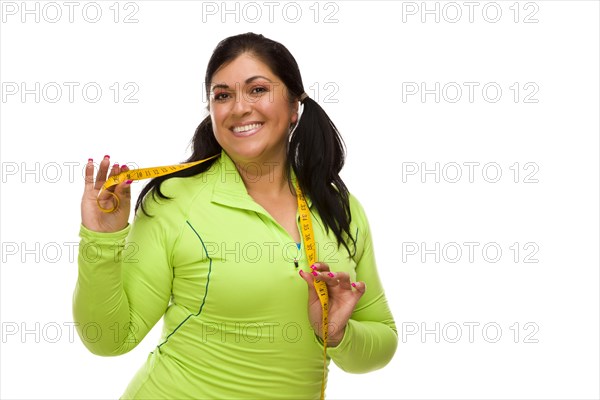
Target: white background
366	61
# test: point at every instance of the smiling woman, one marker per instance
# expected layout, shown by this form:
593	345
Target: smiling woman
251	121
242	318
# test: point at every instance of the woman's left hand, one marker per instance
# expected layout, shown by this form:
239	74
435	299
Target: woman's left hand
343	296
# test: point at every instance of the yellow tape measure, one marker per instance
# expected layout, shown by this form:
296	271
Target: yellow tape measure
305	221
139	174
320	286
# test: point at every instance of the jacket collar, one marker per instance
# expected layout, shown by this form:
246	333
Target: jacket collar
229	188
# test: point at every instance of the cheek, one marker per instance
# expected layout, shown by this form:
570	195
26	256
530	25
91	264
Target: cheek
279	112
217	116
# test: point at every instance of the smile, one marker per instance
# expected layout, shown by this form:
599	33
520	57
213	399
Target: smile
247	130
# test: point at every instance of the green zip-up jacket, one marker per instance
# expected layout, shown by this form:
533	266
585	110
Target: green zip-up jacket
221	271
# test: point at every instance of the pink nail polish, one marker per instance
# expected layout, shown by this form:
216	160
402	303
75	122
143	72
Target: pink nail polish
353	284
107	156
313	267
116	165
90	160
330	275
301	273
128	182
315	273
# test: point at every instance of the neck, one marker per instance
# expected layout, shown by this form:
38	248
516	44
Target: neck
264	178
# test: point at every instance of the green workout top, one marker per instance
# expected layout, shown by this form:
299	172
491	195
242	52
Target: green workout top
221	271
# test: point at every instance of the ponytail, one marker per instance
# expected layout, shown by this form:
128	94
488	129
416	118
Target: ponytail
317	154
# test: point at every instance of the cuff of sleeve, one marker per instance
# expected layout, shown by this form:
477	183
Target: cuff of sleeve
103	237
344	343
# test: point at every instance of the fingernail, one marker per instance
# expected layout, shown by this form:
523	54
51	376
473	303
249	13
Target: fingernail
313	267
116	165
301	273
330	275
315	273
90	160
107	157
353	284
128	182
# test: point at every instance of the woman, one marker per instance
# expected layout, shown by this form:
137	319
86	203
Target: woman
217	249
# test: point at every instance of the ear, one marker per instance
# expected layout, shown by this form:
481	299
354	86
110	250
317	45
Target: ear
295	106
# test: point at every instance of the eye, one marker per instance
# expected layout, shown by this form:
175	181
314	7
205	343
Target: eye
222	96
259	90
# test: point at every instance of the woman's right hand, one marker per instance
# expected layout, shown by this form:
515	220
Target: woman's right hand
92	217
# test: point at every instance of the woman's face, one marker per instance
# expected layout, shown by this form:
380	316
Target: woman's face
250	111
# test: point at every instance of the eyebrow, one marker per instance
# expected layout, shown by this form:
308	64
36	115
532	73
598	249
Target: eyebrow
249	80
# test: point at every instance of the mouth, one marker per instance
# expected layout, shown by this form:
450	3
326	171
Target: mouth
247	129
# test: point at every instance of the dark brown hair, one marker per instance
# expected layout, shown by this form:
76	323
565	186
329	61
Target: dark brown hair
315	152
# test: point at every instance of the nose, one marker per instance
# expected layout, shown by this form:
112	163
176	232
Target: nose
242	104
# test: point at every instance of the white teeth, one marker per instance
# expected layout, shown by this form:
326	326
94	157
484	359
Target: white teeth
244	128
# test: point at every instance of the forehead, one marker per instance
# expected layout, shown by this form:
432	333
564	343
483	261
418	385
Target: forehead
240	69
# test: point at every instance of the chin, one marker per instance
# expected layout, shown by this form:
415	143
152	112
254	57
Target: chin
245	153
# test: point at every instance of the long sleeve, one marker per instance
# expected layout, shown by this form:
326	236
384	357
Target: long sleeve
201	261
370	339
123	286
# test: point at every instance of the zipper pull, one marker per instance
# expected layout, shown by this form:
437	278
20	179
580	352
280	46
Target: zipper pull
296	262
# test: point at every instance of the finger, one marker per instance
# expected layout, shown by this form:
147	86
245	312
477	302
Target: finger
89	176
123	191
360	287
125	187
320	267
341	279
309	279
112	172
330	278
115	169
118	195
306	276
102	169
